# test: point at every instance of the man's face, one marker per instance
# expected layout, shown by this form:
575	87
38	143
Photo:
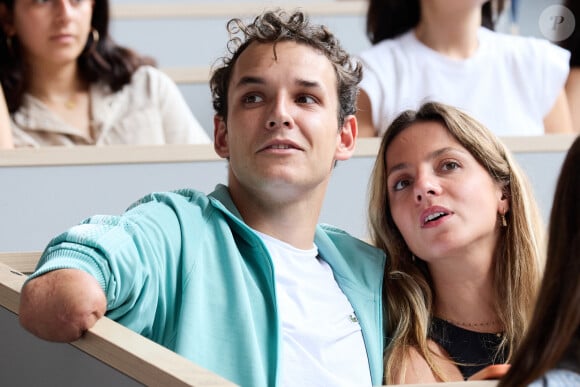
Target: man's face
282	133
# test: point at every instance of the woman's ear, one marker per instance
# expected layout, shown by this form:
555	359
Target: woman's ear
504	199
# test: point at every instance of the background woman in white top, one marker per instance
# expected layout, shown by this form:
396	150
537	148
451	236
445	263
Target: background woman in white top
66	82
437	50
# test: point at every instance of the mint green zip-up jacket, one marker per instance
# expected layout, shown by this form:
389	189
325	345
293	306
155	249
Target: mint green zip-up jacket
183	269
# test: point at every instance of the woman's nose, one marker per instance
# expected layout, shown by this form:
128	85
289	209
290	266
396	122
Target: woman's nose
63	8
426	185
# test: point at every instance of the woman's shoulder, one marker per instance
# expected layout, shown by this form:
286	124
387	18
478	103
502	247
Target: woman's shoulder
150	80
391	47
526	47
416	369
146	73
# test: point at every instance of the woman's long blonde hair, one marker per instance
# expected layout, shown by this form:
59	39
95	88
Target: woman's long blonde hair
408	285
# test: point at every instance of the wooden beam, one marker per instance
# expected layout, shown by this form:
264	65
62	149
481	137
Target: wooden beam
128	154
232	9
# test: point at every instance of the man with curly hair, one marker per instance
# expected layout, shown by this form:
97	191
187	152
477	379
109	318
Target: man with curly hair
242	281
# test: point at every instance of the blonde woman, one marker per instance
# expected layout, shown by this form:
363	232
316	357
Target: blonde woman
457	218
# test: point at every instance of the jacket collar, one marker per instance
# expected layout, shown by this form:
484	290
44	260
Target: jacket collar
357	267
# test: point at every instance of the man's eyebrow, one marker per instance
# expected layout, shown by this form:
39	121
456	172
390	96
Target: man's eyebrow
255	80
307	83
250	80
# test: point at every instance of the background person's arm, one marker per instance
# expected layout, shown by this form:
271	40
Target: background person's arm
6	141
559	119
61	305
573	94
364	116
491	372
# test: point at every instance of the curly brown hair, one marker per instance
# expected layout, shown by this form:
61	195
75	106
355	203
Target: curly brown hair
277	26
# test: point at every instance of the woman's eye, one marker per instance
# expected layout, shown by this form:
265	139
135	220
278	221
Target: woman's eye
400	184
450	165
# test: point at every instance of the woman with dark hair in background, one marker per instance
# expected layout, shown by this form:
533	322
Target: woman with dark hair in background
437	50
66	82
550	353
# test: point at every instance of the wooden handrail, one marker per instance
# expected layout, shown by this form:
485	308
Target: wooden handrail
127	154
192	74
22	262
119	347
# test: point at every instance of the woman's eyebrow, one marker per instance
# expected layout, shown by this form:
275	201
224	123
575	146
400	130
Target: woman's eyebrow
432	155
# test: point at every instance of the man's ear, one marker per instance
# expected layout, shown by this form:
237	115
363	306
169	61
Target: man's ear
220	137
347	138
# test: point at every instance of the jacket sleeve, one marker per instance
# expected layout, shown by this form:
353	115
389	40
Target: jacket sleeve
135	257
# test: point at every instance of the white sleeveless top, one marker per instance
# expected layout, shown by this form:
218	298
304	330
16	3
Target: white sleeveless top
510	84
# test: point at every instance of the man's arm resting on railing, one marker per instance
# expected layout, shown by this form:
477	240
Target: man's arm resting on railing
61	305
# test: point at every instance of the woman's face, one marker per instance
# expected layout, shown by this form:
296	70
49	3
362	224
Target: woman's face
444	203
51	31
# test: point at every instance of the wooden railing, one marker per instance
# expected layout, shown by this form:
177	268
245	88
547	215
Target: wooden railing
131	354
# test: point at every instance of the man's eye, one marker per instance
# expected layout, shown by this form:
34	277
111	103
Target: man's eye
306	99
252	98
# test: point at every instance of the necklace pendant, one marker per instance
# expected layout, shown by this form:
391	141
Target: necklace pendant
70	104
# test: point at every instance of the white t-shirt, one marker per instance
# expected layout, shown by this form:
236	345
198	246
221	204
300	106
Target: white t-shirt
509	84
322	343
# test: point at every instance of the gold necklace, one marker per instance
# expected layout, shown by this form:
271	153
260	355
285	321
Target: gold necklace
70	104
476	324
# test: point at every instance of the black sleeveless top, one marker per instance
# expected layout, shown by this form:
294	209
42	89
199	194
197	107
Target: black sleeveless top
472	351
